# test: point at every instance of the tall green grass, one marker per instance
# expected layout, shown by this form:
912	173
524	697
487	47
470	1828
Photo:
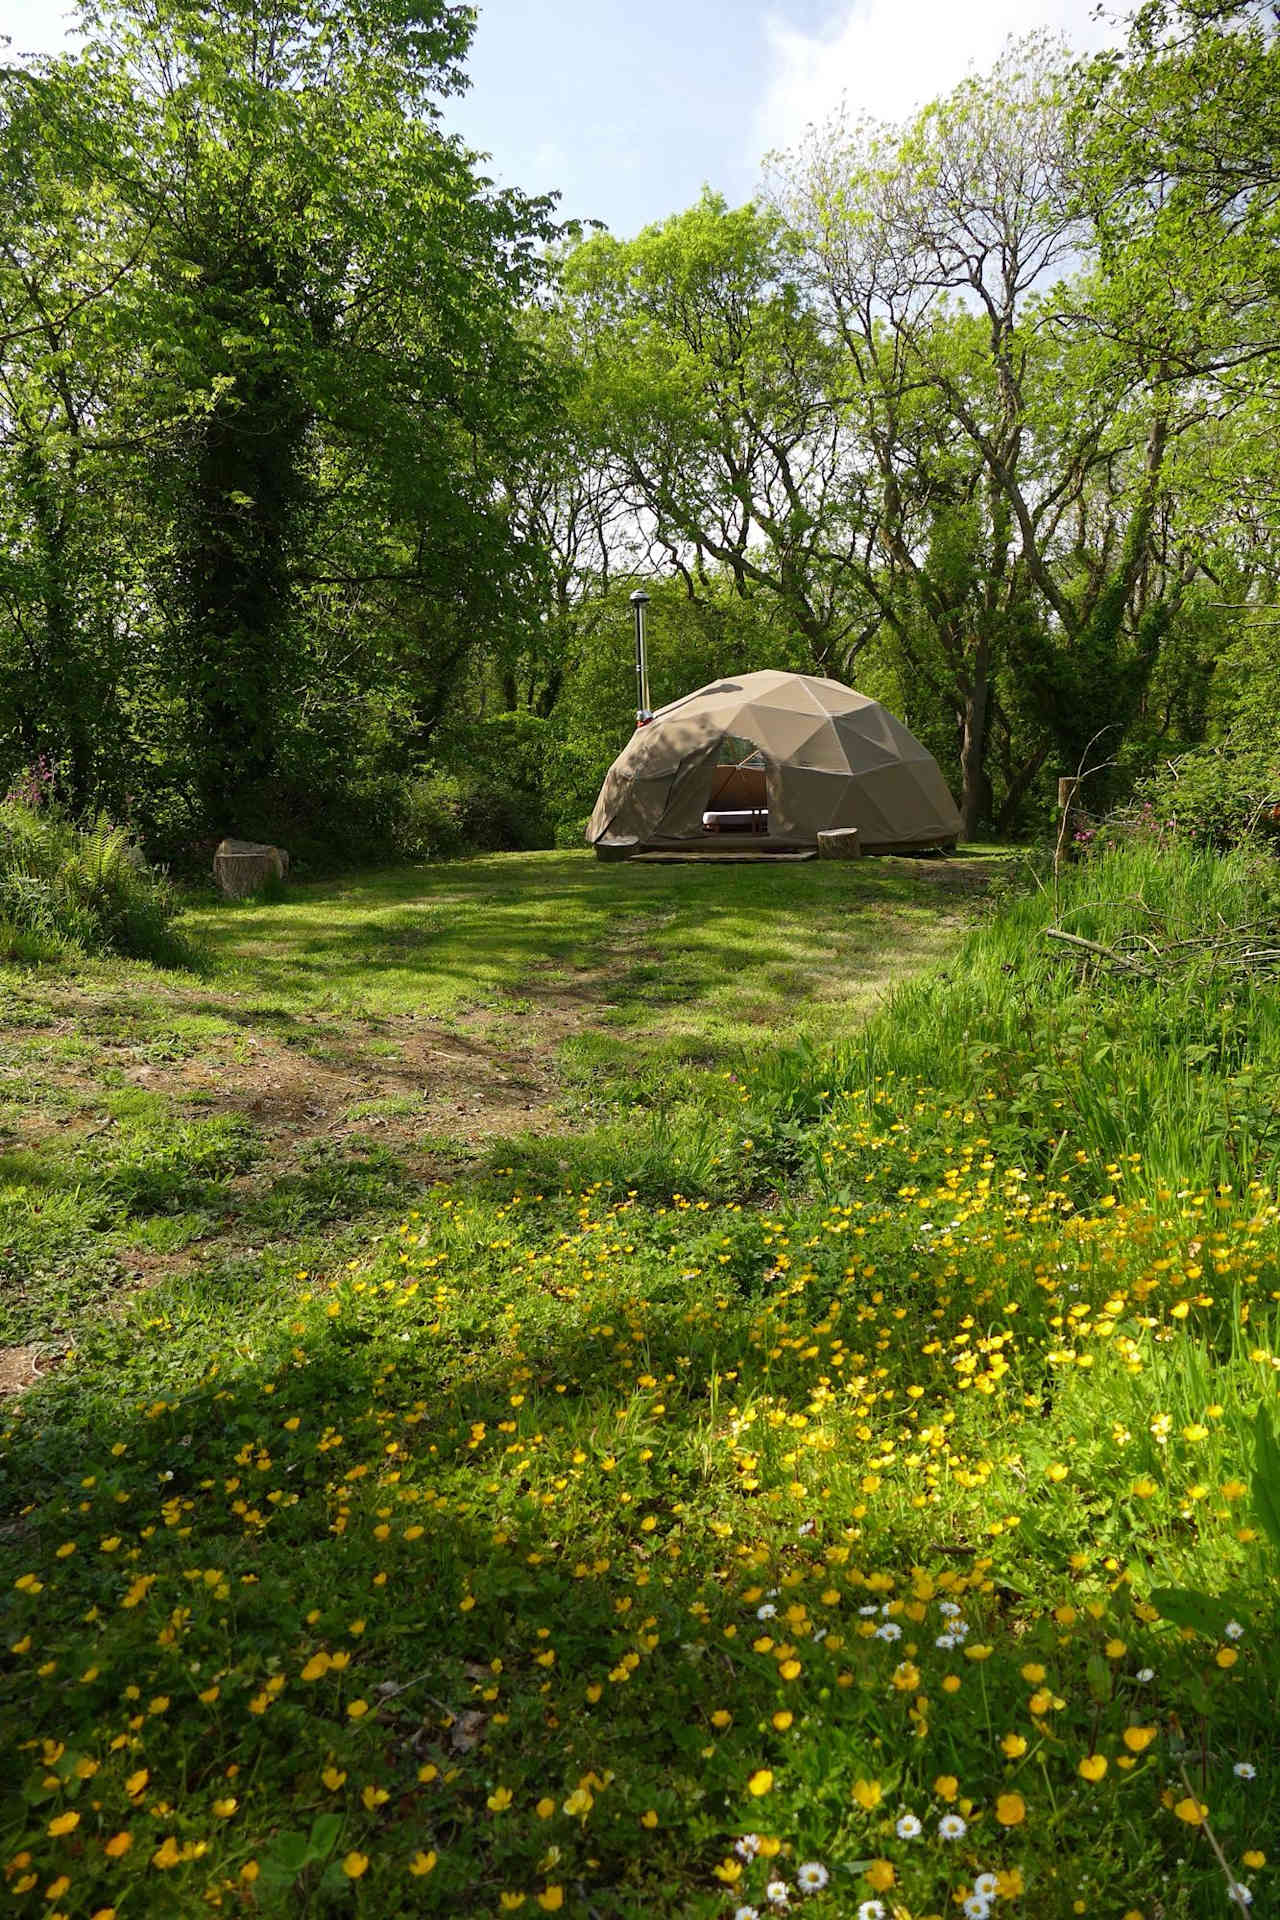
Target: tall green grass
1069	1057
64	887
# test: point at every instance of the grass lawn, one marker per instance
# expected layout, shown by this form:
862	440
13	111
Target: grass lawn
556	1413
340	1050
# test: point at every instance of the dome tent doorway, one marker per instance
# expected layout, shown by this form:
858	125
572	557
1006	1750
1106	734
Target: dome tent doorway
827	757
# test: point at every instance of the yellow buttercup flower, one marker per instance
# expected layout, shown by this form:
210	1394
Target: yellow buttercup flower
1011	1809
1192	1811
760	1782
1138	1739
499	1800
422	1863
355	1864
1092	1767
868	1794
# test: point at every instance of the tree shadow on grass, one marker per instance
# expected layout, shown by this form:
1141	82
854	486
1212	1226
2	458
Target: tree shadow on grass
521	1640
457	1532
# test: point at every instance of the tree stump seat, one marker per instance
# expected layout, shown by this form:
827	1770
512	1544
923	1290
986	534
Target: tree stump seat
242	867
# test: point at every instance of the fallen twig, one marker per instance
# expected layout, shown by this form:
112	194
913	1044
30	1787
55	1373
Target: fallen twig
1096	946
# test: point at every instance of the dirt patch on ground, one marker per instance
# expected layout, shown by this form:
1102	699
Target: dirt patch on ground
405	1077
21	1367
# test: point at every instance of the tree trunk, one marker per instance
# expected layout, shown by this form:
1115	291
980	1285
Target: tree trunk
973	744
1018	786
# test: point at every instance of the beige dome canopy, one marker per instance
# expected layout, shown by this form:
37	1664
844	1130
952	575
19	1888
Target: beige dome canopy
817	756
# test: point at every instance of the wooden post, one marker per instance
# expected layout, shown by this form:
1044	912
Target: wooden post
1067	788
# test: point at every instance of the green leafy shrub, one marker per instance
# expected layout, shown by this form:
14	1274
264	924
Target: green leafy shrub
63	885
444	815
1227	789
1220	795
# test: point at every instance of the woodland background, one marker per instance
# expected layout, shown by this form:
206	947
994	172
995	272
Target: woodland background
326	467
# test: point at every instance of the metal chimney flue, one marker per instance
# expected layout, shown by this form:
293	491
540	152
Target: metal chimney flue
639	611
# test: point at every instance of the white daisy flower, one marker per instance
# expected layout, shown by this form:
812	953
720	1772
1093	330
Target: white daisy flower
812	1876
1144	1674
952	1827
867	1612
767	1611
1245	1770
890	1630
776	1893
909	1827
949	1608
1233	1630
871	1910
986	1884
748	1846
746	1913
1237	1891
976	1907
946	1641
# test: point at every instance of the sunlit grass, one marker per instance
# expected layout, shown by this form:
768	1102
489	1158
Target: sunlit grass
793	1487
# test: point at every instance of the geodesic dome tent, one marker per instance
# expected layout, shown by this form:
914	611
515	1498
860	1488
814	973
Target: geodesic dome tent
767	761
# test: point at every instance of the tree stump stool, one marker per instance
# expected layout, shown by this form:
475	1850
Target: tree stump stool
840	843
242	867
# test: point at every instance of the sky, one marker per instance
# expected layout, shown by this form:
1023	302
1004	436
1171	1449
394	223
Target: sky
628	108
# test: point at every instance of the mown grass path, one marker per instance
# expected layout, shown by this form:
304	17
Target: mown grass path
342	1048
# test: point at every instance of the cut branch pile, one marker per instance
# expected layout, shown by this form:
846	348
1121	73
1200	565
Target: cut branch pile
1249	950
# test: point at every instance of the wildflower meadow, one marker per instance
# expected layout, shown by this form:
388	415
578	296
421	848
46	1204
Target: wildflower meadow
870	1507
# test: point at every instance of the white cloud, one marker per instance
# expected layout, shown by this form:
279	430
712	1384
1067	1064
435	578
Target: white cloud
886	57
